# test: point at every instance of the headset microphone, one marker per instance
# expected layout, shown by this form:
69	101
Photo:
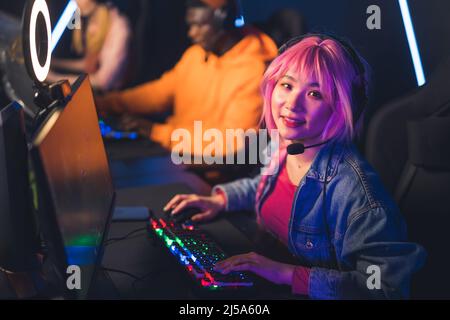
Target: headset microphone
298	148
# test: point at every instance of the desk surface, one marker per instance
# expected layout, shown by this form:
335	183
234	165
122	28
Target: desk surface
132	149
142	162
143	180
163	278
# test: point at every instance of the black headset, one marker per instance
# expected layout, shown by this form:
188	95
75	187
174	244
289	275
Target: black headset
359	88
230	16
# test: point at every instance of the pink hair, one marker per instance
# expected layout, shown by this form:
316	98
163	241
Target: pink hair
326	61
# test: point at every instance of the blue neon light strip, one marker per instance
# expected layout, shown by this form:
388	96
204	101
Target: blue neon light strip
412	42
63	22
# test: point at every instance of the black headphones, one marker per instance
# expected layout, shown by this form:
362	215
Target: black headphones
230	16
359	88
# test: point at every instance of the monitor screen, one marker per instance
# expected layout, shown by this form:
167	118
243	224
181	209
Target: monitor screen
73	171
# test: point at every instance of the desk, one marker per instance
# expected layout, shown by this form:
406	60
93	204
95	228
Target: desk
131	149
142	162
149	178
142	256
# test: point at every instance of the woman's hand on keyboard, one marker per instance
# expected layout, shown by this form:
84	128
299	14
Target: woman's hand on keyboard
209	207
276	272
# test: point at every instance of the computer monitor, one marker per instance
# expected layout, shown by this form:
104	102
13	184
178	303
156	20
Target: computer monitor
18	236
75	186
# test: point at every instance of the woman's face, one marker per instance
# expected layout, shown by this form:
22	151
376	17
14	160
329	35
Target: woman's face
299	109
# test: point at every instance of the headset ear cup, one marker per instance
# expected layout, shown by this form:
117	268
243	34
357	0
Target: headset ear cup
226	16
220	16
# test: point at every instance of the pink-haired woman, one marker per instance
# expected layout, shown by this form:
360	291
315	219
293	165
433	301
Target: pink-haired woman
325	202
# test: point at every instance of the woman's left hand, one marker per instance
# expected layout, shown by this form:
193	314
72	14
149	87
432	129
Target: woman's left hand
276	272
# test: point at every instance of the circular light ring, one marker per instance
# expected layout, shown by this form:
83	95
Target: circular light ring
40	72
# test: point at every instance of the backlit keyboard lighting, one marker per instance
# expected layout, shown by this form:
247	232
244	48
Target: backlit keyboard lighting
198	254
108	132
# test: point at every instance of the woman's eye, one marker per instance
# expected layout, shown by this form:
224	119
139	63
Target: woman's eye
286	85
315	94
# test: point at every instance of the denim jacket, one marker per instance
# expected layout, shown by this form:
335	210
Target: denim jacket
343	225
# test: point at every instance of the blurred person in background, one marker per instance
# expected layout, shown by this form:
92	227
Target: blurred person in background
102	45
216	80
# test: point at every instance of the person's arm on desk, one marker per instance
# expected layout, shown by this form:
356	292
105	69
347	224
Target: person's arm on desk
280	273
152	97
210	206
131	123
157	132
240	195
294	276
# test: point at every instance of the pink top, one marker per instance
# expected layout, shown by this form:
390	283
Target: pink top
276	209
276	214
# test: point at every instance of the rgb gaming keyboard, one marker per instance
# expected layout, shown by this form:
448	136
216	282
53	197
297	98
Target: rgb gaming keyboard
198	253
109	132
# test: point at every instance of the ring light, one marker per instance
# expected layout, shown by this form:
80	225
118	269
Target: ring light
31	14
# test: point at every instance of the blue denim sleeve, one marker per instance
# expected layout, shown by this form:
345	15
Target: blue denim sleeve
376	262
240	194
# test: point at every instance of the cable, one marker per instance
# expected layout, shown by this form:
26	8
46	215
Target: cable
112	240
136	278
154	272
114	285
121	272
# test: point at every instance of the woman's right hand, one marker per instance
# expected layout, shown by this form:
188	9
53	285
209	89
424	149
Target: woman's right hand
210	206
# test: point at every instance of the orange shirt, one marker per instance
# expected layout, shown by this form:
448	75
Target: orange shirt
222	92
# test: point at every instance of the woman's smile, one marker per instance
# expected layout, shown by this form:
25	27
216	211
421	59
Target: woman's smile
291	122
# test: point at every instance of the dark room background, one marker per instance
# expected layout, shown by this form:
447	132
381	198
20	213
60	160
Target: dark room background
161	34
